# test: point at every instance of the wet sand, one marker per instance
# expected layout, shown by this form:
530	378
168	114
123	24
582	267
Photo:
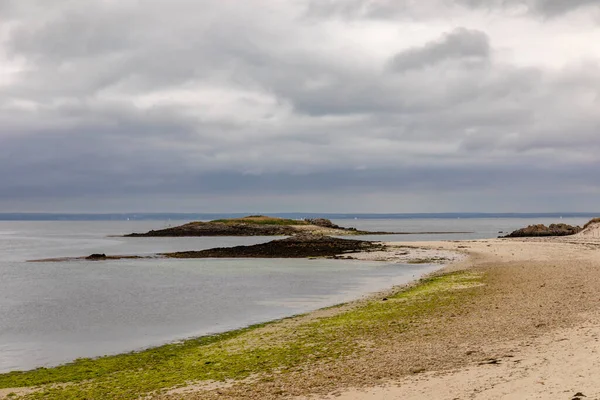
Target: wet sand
534	335
531	331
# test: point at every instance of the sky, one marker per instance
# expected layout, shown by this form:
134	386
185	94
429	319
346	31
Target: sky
299	105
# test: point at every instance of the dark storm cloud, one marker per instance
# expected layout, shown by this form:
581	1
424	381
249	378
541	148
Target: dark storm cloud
228	99
46	181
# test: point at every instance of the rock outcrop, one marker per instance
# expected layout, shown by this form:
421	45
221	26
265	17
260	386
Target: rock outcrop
299	246
540	230
96	256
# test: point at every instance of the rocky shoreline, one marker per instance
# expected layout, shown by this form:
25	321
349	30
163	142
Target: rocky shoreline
298	246
293	247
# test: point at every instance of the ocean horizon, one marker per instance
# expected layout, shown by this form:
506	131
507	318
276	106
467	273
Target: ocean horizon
159	216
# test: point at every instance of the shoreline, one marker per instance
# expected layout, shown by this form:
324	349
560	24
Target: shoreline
390	255
415	255
460	332
553	351
299	247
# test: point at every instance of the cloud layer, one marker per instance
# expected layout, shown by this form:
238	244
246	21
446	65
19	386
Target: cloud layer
239	106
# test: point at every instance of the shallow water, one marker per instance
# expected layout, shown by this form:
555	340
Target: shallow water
475	228
52	313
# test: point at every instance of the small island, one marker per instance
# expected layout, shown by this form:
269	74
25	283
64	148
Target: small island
591	228
297	246
541	230
261	225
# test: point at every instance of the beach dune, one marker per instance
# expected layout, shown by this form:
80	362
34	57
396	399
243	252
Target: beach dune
591	230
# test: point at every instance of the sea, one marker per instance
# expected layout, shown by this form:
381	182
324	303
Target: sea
54	313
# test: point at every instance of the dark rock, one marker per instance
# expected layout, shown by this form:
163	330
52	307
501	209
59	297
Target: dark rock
96	256
491	361
322	222
299	246
543	230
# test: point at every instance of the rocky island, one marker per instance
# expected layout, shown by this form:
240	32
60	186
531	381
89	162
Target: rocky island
541	230
590	229
261	225
254	225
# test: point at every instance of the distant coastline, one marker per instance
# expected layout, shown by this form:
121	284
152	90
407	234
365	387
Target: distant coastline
141	216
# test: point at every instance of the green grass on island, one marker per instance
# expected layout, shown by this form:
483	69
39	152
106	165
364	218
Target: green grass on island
280	346
261	220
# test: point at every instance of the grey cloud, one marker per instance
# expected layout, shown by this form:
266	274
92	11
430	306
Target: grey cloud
398	10
406	10
81	49
545	8
76	33
277	113
344	9
460	44
46	177
556	7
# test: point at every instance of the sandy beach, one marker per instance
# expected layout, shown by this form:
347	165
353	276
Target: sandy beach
531	332
299	200
508	318
542	323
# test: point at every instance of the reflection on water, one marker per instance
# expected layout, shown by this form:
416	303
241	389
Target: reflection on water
54	312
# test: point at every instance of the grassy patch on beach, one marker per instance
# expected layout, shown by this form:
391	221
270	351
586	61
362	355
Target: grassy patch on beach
277	346
591	222
261	220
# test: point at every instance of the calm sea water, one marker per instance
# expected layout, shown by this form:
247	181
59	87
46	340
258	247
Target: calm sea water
52	313
478	228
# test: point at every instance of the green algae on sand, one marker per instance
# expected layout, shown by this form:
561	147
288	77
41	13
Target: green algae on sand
280	346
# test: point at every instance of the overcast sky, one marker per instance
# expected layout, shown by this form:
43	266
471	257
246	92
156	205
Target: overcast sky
299	105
